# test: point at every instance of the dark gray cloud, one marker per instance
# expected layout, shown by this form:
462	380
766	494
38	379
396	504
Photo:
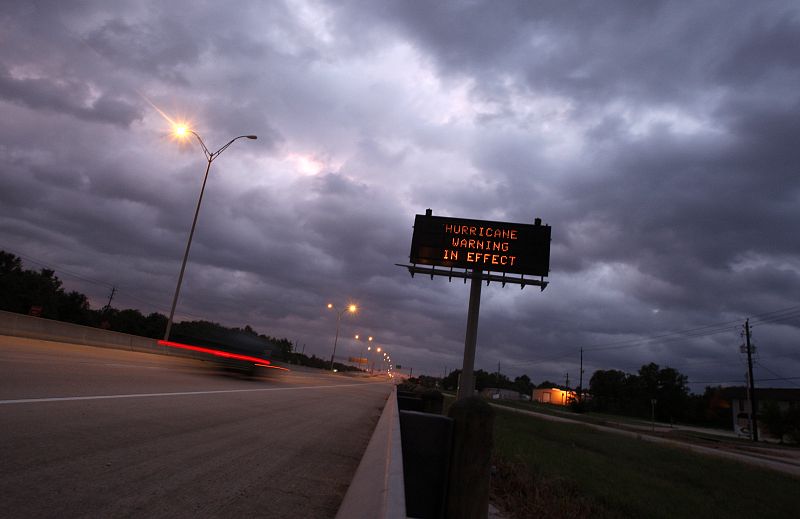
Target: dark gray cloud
67	96
658	140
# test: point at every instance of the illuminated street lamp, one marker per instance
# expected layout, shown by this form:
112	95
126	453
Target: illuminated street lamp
182	131
377	350
349	308
369	340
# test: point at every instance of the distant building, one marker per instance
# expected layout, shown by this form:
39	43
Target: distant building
495	393
741	408
554	395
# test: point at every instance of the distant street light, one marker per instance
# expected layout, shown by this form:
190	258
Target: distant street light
368	348
377	350
182	131
349	308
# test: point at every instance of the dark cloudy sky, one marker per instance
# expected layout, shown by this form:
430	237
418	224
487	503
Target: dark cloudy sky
660	140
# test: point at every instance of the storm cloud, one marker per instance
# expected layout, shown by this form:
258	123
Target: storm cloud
659	140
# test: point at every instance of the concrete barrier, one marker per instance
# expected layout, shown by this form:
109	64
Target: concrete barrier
19	325
377	490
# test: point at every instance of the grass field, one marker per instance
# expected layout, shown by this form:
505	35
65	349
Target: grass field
549	469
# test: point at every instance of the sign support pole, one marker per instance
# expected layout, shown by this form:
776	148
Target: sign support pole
466	388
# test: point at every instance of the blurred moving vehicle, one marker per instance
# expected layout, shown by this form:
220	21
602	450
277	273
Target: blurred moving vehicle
232	351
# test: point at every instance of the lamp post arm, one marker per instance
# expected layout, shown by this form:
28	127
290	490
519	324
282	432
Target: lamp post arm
219	151
208	154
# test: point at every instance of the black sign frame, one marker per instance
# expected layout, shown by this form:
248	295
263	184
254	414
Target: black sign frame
504	247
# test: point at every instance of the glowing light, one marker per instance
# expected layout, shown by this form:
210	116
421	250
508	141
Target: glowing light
218	353
330	305
273	367
352	309
180	130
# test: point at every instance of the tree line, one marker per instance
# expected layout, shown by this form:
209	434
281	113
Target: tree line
654	391
41	293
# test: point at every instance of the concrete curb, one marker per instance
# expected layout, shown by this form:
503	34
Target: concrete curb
377	490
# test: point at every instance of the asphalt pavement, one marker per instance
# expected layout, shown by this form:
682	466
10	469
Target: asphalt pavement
92	432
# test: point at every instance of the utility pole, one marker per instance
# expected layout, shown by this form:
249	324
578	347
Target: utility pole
567	380
751	382
580	384
110	297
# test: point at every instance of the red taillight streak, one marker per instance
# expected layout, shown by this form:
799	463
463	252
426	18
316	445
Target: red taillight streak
218	353
273	367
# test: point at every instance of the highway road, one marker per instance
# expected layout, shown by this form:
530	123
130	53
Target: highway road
93	432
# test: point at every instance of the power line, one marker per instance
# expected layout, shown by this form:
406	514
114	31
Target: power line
776	313
778	374
773	316
59	269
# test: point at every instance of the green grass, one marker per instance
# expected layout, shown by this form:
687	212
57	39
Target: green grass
617	476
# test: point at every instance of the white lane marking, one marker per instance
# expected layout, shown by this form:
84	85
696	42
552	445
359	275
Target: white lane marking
180	393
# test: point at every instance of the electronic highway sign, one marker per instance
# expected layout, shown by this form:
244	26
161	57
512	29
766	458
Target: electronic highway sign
505	247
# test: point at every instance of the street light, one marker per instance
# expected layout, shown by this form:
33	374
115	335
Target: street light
364	351
183	131
349	308
378	350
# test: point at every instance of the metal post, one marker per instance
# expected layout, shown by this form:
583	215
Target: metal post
210	158
653	414
751	385
466	386
186	253
580	384
336	339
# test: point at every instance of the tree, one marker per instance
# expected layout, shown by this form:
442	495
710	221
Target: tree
127	321
710	409
281	348
610	390
523	385
547	384
73	307
781	421
668	387
10	283
450	382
